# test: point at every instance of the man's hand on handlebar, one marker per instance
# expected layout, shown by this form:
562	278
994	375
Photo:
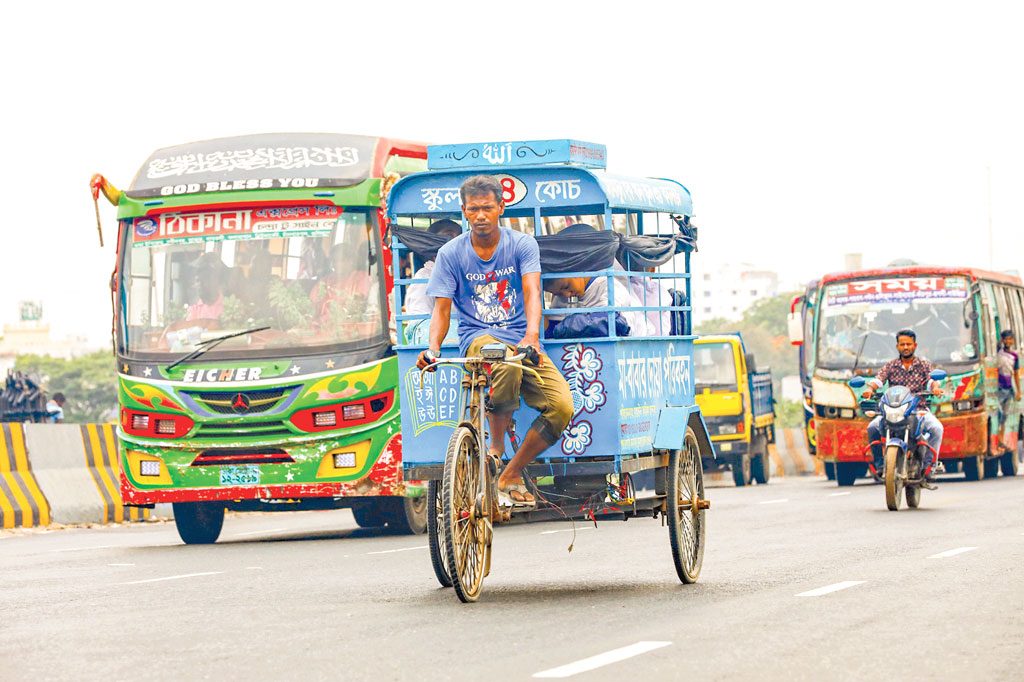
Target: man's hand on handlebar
427	358
868	394
534	353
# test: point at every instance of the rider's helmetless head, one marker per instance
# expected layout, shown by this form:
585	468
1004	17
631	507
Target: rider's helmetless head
906	343
482	203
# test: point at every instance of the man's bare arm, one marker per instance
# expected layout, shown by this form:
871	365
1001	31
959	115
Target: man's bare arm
440	321
532	306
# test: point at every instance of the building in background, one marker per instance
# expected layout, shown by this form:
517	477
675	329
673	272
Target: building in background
727	290
31	335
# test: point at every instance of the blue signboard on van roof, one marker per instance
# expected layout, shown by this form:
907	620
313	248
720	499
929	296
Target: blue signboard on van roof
484	155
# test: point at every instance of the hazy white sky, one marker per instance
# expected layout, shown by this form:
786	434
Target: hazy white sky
803	130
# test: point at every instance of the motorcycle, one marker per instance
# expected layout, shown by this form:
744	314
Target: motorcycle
904	443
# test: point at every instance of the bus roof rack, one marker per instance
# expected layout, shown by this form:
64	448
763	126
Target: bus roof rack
262	161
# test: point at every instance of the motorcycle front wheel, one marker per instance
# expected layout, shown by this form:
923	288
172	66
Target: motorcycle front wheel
893	478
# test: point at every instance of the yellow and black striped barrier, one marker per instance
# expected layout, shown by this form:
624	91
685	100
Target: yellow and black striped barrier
101	459
22	503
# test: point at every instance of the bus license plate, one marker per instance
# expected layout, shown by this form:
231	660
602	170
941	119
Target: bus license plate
246	474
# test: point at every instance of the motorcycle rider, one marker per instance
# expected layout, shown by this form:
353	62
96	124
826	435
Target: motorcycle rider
914	373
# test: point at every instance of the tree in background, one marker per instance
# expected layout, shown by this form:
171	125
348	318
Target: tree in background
88	382
765	334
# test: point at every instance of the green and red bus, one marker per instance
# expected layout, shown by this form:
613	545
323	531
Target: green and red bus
251	329
848	328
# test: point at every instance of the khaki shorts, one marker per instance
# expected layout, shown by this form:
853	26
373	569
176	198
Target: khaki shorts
553	399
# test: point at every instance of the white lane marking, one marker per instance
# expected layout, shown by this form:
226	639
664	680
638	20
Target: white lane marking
257	532
838	494
951	552
831	588
83	549
172	577
404	549
120	564
566	530
607	658
784	499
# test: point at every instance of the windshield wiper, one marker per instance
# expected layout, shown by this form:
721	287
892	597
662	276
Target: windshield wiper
856	360
210	343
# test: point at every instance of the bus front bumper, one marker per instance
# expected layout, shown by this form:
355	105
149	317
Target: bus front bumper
846	440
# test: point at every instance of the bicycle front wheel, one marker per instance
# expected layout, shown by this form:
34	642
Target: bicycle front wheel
466	544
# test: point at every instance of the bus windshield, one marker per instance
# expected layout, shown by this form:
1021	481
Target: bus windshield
858	321
714	366
311	274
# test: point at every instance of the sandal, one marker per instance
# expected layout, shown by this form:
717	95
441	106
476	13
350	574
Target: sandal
516	495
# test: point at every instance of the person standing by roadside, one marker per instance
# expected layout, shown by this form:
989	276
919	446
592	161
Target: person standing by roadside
55	408
1009	382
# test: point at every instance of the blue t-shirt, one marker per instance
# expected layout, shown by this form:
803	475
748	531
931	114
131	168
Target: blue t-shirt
488	295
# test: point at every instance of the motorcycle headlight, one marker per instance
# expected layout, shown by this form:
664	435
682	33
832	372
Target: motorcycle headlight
895	414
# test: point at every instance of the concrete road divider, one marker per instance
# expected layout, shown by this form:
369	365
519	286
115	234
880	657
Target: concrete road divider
76	468
22	503
101	458
790	455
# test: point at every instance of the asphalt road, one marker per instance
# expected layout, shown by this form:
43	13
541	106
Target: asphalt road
935	593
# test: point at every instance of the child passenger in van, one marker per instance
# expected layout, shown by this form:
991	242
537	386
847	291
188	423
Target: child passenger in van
592	292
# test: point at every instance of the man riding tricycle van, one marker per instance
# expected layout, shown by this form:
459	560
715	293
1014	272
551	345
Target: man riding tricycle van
904	437
609	424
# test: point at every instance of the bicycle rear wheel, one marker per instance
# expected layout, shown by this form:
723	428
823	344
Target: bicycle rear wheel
436	534
686	523
467	542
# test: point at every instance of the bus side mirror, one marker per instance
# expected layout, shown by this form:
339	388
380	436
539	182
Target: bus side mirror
857	382
938	374
751	366
796	328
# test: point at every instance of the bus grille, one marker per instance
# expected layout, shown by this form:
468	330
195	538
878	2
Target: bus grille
241	402
232	430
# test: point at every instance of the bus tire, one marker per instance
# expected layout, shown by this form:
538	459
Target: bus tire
992	467
830	471
1009	462
371	514
198	523
974	467
742	470
761	466
846	473
408	514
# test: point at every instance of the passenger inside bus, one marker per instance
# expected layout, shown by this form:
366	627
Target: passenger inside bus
211	277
